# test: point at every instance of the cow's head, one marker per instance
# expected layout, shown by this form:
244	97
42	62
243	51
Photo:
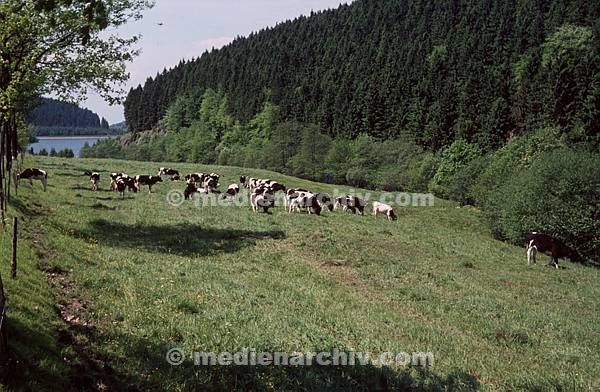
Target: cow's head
574	256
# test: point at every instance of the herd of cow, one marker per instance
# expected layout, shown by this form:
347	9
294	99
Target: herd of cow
262	192
262	196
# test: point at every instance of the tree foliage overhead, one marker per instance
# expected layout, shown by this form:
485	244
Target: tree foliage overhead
433	71
57	45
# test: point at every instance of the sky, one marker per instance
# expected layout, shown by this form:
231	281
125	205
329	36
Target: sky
184	29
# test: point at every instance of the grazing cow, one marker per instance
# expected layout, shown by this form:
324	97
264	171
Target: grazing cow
128	183
231	191
34	174
254	183
215	177
120	186
94	179
553	247
190	189
147	180
113	180
276	187
324	201
292	194
311	204
196	177
166	171
305	201
351	203
132	185
210	185
243	181
262	198
385	209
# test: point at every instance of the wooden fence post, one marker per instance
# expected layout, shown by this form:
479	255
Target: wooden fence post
13	264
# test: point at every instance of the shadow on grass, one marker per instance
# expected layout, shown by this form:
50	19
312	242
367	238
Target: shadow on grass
34	362
182	239
27	210
141	366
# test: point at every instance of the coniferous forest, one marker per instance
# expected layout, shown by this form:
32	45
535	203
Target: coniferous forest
56	118
485	102
435	71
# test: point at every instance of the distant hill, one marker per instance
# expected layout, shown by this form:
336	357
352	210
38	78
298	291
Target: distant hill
56	118
122	126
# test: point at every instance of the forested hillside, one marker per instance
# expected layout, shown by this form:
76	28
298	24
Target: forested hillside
434	71
484	102
56	118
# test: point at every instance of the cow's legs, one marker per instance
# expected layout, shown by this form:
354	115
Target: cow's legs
531	252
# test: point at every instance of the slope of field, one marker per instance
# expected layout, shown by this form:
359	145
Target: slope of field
146	276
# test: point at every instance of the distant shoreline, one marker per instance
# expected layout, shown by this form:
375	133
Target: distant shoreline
73	137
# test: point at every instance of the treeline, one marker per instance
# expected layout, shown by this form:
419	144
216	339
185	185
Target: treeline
52	114
431	71
64	153
74	131
540	181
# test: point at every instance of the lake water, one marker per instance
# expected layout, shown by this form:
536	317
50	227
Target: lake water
75	143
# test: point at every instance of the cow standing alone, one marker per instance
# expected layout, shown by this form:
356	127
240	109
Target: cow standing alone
553	247
384	209
34	174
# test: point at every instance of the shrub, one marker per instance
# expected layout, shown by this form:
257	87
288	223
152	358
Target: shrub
453	158
461	190
559	194
421	170
511	159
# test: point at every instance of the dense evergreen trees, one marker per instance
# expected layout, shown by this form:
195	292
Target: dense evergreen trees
54	113
430	71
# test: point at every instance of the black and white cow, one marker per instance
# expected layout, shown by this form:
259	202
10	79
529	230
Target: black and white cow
113	180
262	197
190	189
122	181
324	201
243	181
276	187
166	171
290	195
94	179
121	184
196	177
304	201
131	183
553	247
231	191
210	185
31	174
351	203
147	180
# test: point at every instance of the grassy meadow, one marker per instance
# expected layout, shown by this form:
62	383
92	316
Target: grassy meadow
145	276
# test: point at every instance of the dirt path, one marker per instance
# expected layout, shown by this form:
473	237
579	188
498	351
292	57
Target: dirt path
88	371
